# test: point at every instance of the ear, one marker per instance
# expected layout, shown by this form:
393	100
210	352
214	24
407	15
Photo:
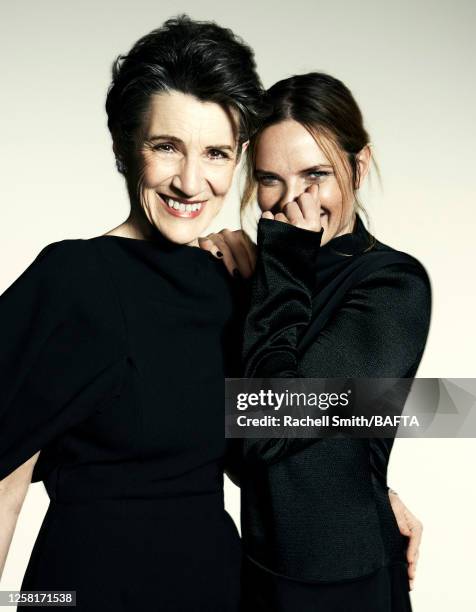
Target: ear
364	158
120	165
241	150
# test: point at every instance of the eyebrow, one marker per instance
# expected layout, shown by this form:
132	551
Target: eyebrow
180	141
311	169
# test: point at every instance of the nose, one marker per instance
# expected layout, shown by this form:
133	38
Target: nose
188	179
291	191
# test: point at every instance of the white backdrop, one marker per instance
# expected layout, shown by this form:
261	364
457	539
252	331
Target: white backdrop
410	65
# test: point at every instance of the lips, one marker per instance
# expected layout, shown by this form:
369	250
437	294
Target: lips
186	209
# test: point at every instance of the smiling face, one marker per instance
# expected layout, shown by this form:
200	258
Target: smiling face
187	154
288	161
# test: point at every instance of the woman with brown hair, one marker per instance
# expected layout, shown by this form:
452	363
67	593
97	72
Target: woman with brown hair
328	300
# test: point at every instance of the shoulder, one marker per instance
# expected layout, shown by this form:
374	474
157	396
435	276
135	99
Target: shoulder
63	293
68	272
388	266
397	286
72	262
64	253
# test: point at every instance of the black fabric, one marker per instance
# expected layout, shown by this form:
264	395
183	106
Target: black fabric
111	363
386	589
317	511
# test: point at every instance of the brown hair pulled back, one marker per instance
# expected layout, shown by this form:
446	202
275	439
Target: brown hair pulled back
327	109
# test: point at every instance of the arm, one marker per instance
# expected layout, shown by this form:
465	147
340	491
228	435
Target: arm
380	330
281	302
62	350
239	257
13	490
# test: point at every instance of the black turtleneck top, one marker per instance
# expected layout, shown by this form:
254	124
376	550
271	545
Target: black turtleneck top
111	363
318	510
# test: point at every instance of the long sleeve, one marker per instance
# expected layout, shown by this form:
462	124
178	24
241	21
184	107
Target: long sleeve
318	509
281	302
379	330
280	311
61	351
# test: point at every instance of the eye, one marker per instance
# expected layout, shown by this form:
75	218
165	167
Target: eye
217	154
267	180
318	175
165	147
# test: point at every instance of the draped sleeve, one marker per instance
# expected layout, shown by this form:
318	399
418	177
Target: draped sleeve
281	299
378	330
62	349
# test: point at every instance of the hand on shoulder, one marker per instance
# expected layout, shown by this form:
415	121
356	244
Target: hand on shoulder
234	248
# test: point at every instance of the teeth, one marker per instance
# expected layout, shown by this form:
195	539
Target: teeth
171	203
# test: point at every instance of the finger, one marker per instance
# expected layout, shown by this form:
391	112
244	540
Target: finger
313	190
412	565
236	243
412	568
281	217
310	204
403	526
207	244
399	511
267	215
293	213
227	254
415	541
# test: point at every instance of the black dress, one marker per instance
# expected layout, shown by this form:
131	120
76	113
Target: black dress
111	363
318	530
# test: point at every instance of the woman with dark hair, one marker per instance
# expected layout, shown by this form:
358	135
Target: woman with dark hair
328	300
111	377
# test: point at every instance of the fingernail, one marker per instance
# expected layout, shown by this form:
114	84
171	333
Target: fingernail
219	254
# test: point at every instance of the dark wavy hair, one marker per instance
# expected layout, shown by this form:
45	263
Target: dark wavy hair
199	58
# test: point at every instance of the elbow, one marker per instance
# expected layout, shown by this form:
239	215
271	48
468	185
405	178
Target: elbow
12	496
14	487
